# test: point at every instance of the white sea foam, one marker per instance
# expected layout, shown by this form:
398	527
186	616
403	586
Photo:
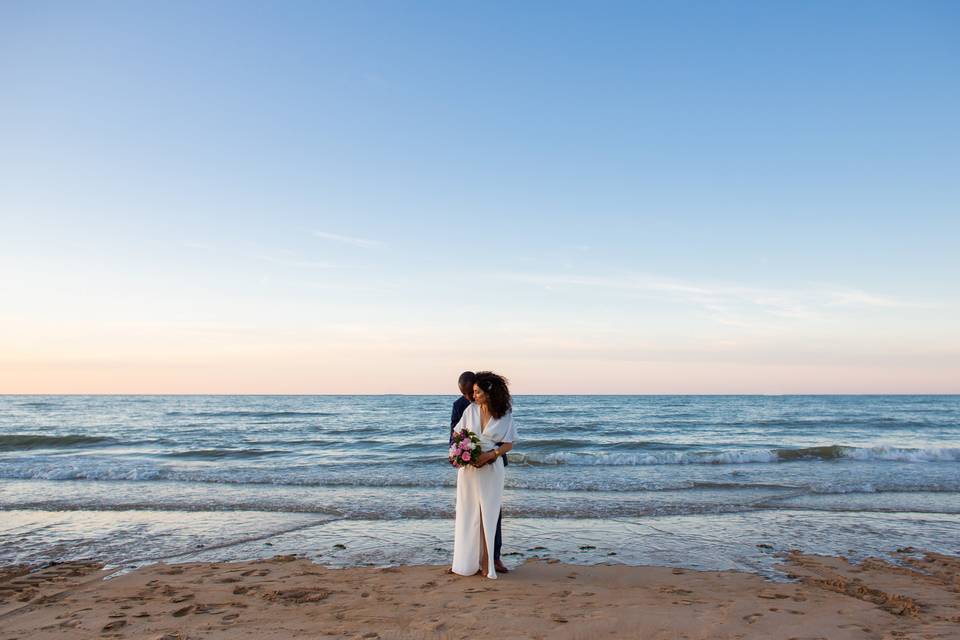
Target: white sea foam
899	454
651	458
744	456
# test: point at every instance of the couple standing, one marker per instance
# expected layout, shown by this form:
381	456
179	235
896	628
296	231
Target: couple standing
485	408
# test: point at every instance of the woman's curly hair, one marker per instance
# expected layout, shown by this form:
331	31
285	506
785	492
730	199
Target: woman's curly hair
495	386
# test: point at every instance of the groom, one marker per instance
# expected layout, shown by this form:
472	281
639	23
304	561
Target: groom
467	378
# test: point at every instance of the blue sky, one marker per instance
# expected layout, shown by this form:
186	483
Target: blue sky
623	197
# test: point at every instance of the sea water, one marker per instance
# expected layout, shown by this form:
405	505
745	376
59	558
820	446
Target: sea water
720	482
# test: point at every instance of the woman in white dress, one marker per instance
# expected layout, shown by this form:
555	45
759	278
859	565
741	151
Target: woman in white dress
480	487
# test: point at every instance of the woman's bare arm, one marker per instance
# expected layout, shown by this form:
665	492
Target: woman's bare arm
490	456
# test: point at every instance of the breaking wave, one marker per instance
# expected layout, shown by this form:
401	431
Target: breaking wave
743	456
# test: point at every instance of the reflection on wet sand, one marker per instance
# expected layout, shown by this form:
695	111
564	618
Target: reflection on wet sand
723	541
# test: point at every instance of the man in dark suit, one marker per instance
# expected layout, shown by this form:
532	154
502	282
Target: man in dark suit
467	378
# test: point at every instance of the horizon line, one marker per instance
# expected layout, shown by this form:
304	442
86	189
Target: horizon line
629	395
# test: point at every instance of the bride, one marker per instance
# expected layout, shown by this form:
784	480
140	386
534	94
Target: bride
480	487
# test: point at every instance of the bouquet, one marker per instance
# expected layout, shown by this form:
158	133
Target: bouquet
465	449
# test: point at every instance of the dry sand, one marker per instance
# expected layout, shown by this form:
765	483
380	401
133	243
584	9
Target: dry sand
287	597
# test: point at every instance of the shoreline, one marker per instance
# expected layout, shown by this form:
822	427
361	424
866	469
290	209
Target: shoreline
732	541
909	595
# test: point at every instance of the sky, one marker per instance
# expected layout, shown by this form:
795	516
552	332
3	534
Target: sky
370	197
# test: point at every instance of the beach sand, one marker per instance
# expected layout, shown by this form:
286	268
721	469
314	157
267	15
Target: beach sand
290	597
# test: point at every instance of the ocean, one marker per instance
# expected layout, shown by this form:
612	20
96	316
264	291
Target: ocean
706	482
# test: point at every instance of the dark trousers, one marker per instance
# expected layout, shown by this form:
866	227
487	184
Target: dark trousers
498	541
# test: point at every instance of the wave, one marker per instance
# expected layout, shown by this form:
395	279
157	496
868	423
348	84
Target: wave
216	454
641	459
274	477
39	404
393	511
532	451
827	452
744	456
897	454
541	444
27	441
253	414
383	507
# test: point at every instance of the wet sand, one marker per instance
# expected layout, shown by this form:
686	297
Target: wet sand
912	595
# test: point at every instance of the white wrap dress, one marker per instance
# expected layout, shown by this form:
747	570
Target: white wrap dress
479	494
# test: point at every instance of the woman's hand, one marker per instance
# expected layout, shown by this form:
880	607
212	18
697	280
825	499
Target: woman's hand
484	459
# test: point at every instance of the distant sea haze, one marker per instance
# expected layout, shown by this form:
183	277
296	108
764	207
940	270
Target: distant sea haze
605	459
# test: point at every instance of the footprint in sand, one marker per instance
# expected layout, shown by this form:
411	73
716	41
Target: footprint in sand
214	608
230	618
113	626
300	596
179	613
26	595
753	617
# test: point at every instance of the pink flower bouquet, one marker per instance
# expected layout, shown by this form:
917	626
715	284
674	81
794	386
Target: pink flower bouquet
465	448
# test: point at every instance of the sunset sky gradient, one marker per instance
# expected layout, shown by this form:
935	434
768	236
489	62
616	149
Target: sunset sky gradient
369	197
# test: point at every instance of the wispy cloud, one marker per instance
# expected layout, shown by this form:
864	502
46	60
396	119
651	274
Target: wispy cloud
366	243
728	302
856	297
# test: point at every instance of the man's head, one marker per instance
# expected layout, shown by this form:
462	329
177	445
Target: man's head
467	378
